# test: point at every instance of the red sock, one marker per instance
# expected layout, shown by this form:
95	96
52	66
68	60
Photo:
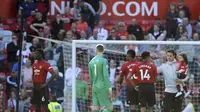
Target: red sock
179	88
185	89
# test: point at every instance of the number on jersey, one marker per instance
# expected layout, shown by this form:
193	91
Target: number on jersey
144	75
95	69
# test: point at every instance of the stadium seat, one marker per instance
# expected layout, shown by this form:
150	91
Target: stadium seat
128	22
145	23
152	22
139	22
147	28
143	28
6	27
2	74
106	22
10	21
114	22
109	27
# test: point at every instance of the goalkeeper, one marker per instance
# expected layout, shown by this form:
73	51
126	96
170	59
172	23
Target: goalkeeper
99	79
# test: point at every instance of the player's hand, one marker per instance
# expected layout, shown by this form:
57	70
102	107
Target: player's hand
43	86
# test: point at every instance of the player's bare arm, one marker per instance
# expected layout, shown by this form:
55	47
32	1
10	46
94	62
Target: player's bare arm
53	75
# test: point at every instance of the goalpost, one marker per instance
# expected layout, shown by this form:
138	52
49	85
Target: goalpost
84	44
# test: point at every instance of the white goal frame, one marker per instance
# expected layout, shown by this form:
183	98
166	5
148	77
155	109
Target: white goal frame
75	42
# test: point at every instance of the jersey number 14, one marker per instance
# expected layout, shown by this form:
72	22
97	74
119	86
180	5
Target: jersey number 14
144	75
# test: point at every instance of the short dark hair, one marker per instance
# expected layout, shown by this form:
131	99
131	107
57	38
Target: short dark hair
40	51
184	56
131	53
100	48
113	29
172	51
145	54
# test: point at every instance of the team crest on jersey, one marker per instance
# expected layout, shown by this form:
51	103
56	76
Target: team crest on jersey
40	67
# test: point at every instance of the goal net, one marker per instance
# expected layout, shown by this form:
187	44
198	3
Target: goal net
73	59
115	53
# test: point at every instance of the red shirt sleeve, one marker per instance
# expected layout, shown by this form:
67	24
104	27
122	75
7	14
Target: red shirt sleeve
155	71
48	67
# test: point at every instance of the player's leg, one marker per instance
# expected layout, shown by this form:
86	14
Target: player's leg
185	87
132	98
95	102
151	98
38	108
35	100
167	102
45	98
105	100
143	94
177	104
45	106
178	87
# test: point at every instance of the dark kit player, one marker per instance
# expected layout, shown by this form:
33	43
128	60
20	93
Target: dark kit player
145	73
131	93
40	68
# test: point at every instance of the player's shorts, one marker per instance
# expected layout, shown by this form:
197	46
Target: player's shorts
101	98
181	76
147	95
131	96
40	96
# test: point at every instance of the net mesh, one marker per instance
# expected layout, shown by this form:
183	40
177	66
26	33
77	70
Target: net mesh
116	55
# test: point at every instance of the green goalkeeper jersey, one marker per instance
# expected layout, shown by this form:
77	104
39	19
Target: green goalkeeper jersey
99	76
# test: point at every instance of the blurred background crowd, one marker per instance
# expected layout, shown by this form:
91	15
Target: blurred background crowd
81	21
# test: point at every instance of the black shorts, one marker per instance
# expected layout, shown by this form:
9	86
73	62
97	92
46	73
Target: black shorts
131	96
181	76
171	103
147	95
40	97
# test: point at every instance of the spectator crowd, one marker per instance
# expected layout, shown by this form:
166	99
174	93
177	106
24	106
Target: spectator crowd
81	21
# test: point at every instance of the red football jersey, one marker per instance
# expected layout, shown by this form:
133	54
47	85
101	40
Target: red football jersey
40	70
144	72
183	68
125	71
